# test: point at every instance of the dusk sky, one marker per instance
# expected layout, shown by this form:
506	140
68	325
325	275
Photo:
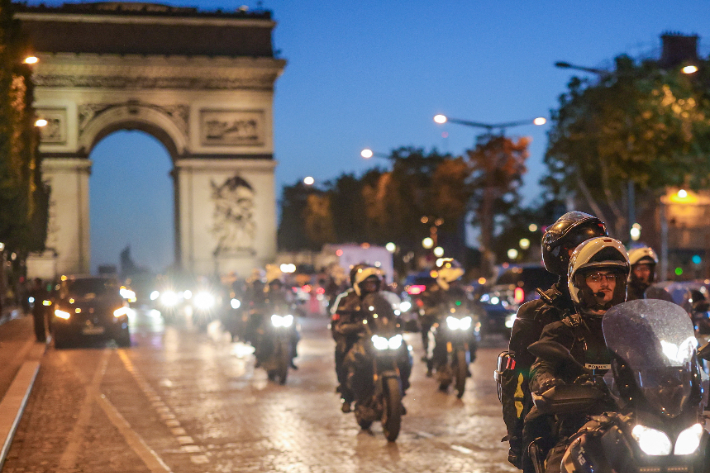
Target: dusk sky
373	74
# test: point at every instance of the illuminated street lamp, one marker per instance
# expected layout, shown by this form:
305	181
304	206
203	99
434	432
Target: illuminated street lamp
391	247
441	119
40	122
309	181
512	253
31	60
524	243
428	243
438	252
691	69
635	232
367	153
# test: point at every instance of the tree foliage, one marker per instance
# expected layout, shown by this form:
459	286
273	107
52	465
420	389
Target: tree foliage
23	195
639	123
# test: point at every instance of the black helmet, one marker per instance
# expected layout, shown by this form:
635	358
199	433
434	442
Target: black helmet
566	234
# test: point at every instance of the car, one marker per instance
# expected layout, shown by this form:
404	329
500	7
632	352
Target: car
89	308
515	285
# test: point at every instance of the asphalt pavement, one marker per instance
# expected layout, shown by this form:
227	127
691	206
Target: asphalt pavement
187	400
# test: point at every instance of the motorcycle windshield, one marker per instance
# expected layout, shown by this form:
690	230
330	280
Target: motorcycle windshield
655	338
380	315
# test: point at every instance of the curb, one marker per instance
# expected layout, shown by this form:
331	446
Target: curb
13	404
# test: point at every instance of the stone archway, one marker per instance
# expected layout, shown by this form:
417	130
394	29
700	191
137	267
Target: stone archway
201	83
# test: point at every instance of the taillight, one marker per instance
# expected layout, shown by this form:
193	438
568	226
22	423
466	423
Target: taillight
519	295
416	289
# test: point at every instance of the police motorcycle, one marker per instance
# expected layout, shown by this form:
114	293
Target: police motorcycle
457	327
276	341
654	383
376	382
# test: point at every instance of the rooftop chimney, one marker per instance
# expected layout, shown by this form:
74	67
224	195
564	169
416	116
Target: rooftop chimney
677	49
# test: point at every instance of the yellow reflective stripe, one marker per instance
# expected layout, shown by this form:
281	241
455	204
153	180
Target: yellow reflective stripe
519	396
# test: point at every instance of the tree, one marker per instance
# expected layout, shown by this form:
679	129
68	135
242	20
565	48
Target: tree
497	167
639	124
24	198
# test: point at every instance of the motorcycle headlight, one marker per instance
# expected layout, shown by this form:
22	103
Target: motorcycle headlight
169	299
465	323
282	320
380	343
154	295
235	303
510	320
121	312
62	314
395	342
204	300
405	306
688	440
652	441
452	323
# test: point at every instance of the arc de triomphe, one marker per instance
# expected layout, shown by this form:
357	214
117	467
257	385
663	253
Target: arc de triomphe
200	82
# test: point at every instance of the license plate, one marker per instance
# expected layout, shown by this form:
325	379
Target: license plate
93	330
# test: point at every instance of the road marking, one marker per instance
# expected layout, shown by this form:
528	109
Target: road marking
426	435
164	411
13	404
151	459
68	459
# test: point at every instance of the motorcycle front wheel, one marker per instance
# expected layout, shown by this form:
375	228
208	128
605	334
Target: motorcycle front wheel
461	371
284	360
392	412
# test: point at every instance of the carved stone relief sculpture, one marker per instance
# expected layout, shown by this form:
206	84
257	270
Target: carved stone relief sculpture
55	132
234	227
231	127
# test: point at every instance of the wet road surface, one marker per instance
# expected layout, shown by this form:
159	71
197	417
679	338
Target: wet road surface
188	401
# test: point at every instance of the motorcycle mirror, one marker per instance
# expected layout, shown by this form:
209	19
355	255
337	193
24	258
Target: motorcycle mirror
553	351
704	352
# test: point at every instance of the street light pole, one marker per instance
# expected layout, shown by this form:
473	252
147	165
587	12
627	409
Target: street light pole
367	153
489	127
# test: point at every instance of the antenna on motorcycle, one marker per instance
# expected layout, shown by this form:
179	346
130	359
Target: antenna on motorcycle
704	352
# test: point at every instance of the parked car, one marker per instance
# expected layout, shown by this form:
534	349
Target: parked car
88	308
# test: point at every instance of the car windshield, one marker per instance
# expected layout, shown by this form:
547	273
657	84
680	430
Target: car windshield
655	338
95	286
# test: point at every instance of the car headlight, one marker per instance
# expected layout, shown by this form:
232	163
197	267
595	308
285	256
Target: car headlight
154	295
62	314
405	306
282	320
204	300
688	440
235	303
121	311
652	441
510	320
169	299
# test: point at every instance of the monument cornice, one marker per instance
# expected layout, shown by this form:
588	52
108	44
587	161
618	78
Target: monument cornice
156	72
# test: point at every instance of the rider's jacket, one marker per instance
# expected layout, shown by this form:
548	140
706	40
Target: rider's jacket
530	320
346	319
584	338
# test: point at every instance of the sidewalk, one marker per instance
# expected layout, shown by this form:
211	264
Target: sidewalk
20	355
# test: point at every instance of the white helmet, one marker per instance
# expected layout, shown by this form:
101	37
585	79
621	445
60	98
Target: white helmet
364	273
645	254
448	275
597	253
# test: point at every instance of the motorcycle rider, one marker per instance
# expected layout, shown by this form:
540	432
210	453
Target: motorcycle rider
558	242
597	280
345	309
643	271
367	280
431	300
449	279
276	295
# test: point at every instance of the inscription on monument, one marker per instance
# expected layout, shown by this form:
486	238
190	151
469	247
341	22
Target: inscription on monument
232	127
55	132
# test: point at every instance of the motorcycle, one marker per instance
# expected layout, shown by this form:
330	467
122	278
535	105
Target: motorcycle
376	381
276	345
655	382
454	334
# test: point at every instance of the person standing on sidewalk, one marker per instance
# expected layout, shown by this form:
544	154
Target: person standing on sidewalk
39	293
